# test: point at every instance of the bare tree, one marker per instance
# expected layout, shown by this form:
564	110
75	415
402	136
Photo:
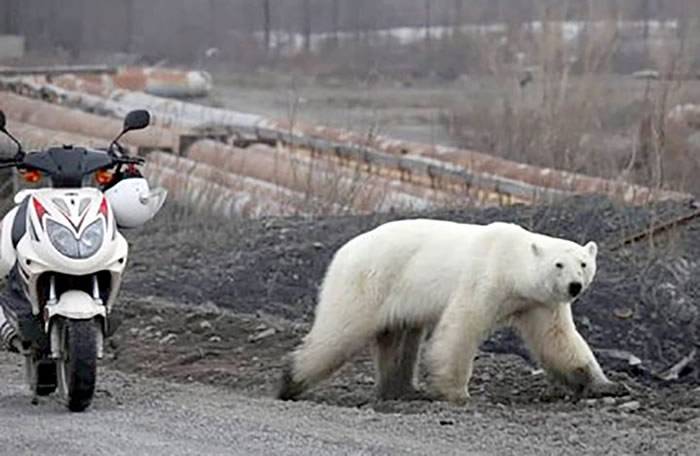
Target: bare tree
683	21
129	25
267	22
428	21
335	21
459	10
52	18
10	11
306	15
646	17
212	26
357	23
77	38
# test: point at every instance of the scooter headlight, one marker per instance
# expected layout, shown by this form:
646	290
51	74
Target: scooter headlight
62	239
91	240
65	242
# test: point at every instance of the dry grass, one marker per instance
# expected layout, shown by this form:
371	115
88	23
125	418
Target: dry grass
568	111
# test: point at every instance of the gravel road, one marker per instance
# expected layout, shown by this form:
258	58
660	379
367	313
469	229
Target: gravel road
134	415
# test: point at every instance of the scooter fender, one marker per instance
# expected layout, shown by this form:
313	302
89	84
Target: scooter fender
75	305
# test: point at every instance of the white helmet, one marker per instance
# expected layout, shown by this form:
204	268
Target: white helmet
133	202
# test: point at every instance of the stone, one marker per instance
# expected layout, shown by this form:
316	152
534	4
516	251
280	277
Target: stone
168	338
609	401
262	335
630	406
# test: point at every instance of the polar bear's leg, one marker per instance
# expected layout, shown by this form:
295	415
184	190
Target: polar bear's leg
553	339
333	339
455	342
395	355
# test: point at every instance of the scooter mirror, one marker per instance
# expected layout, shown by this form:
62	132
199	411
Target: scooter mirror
136	120
3	129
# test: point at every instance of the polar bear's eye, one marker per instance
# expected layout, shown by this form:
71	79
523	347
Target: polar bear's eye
583	265
559	265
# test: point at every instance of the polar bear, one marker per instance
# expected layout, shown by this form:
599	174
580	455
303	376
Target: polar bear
389	286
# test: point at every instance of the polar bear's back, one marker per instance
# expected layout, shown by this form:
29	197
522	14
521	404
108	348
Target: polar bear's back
410	268
418	239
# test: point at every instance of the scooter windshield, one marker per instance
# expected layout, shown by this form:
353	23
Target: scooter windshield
66	166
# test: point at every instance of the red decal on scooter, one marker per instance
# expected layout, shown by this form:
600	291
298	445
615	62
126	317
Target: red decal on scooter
40	211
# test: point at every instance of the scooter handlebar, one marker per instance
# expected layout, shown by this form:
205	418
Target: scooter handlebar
126	160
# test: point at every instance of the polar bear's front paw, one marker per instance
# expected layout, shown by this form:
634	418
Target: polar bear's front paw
458	397
592	383
453	394
606	388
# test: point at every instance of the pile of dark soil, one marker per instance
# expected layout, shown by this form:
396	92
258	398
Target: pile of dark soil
210	345
644	299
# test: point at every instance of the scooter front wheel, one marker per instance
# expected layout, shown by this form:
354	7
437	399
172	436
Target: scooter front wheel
77	367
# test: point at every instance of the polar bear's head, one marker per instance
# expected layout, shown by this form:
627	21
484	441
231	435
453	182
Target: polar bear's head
563	269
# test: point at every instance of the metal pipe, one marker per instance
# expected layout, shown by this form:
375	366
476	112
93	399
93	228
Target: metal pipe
238	197
48	115
318	178
57	70
420	163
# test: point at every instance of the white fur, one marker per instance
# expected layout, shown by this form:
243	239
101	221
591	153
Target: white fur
461	280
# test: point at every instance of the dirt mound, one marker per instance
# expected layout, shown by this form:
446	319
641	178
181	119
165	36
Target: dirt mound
644	299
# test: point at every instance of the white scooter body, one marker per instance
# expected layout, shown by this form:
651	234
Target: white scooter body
43	268
62	252
8	256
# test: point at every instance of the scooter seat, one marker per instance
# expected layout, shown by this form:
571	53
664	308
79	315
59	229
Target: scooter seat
19	225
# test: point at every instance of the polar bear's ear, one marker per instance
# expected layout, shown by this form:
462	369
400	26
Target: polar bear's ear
592	249
536	250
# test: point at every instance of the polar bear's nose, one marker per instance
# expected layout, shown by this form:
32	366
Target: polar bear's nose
575	289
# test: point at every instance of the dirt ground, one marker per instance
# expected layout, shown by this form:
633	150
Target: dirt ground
221	302
389	108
